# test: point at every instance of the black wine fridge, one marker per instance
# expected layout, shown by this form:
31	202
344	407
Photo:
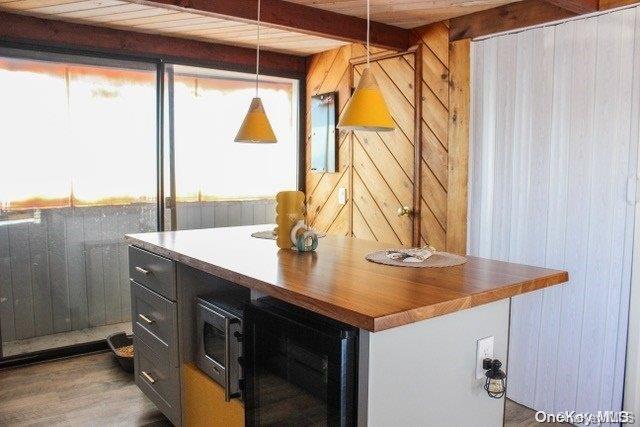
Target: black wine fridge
300	369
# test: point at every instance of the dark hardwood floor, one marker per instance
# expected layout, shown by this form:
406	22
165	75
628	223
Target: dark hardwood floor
92	390
88	390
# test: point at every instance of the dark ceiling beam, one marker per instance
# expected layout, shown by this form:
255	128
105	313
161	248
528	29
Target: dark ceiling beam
58	34
296	17
577	6
505	18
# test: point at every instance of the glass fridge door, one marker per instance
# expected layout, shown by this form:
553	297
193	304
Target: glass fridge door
299	370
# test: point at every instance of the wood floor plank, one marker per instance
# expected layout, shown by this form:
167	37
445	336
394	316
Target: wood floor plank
93	390
86	390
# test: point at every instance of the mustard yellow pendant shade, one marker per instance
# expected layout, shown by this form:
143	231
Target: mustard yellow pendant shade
256	127
367	109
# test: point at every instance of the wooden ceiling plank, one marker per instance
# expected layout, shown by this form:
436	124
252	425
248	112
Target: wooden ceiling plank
237	30
134	18
75	7
32	4
505	18
106	20
406	13
102	11
192	25
297	17
286	38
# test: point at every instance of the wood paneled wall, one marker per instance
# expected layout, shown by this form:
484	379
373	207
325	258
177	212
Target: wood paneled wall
444	128
329	71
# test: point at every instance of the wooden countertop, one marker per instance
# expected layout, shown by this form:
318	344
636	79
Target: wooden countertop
337	281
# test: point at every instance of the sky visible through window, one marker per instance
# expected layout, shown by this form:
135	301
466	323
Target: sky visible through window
86	135
75	129
208	114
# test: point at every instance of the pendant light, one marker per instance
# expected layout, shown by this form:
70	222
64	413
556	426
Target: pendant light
367	109
256	127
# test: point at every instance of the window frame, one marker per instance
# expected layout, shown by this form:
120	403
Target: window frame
20	50
178	70
105	58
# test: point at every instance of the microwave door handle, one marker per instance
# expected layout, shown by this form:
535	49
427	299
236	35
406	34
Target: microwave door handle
227	359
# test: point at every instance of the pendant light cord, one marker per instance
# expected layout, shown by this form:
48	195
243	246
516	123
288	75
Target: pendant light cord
368	29
258	51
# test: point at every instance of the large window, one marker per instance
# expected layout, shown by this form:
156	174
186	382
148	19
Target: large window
75	134
219	182
77	171
209	107
79	155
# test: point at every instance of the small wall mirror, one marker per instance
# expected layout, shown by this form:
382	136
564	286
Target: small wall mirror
323	132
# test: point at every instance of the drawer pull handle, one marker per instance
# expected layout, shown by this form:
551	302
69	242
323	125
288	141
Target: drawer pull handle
142	270
148	377
146	319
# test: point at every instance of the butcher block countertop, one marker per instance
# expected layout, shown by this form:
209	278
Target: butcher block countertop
337	281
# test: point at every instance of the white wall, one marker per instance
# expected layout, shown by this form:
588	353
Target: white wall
424	374
554	140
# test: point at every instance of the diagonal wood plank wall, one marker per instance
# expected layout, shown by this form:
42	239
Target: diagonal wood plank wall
383	163
444	128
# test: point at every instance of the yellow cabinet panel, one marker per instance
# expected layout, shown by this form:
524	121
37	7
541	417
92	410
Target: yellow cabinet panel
203	402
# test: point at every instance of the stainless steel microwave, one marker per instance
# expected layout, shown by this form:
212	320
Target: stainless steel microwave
219	344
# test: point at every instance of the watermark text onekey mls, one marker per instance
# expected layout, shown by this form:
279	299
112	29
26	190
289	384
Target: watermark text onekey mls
586	418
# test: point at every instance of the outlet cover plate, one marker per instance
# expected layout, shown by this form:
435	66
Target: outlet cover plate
342	196
484	350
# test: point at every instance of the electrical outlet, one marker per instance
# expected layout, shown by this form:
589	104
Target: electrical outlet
484	350
342	196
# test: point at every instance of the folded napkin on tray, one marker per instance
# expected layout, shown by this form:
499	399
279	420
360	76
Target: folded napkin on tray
411	254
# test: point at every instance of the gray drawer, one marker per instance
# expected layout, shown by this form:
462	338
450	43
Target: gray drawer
155	321
158	380
155	272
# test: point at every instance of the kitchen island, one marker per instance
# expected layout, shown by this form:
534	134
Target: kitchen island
417	328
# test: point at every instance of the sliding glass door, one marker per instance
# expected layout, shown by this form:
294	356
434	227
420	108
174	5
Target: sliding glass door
79	168
215	181
77	171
